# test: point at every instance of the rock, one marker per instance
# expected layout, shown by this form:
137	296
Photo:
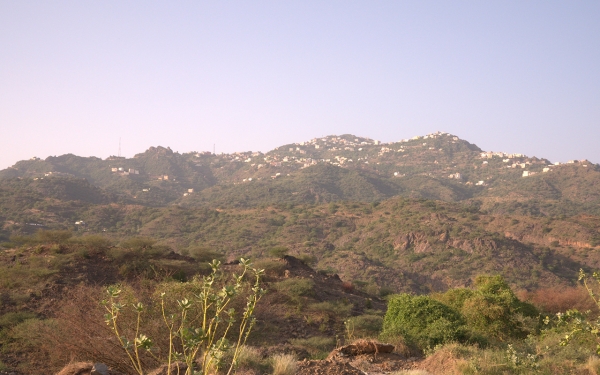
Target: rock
99	369
76	368
361	347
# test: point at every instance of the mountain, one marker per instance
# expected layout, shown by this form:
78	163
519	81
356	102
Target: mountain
435	166
421	214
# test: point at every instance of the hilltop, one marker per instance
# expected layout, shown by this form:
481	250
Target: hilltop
437	166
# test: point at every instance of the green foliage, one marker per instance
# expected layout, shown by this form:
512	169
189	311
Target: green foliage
455	298
423	321
278	252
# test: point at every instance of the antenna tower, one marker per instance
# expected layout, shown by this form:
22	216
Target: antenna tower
119	146
214	149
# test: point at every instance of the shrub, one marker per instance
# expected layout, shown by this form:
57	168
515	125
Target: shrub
54	236
492	310
198	316
93	242
138	243
423	321
296	287
455	298
11	319
495	310
278	252
272	267
309	260
203	254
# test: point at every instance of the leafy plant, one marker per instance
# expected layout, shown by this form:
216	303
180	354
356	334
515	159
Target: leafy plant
198	323
422	321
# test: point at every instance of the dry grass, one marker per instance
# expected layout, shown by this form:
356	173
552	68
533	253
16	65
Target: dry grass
248	358
284	364
554	300
593	365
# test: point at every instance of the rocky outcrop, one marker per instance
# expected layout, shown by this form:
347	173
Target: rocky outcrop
404	242
472	246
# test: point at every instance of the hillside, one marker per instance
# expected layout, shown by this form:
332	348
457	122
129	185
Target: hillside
338	224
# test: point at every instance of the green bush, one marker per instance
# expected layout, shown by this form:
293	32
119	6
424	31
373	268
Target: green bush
495	310
423	321
278	252
492	310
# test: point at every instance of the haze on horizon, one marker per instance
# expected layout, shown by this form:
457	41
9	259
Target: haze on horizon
511	76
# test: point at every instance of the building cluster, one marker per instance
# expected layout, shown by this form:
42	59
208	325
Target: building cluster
58	174
506	157
435	135
124	172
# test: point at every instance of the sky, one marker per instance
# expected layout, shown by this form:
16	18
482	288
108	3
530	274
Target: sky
81	77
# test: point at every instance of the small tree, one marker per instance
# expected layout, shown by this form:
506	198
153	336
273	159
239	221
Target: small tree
199	318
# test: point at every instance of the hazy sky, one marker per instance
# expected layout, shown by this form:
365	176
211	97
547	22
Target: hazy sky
514	76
